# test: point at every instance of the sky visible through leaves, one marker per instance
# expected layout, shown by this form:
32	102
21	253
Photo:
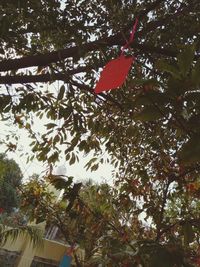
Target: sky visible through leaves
104	173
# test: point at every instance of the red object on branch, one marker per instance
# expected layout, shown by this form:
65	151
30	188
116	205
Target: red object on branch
1	210
115	72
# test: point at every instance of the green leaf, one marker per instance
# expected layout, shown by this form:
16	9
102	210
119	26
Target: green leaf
50	125
151	83
188	233
151	97
61	93
185	59
94	167
193	123
54	157
141	100
67	157
190	151
162	258
165	66
149	113
89	163
158	97
82	145
193	97
132	131
40	219
196	73
175	87
143	175
56	139
60	182
73	159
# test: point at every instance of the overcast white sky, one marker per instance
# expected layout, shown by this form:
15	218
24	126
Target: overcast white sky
77	170
104	173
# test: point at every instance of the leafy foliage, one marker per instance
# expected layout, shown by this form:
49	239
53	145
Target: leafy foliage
10	180
11	234
105	223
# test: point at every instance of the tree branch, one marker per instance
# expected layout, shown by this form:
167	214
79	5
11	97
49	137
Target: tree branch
55	56
105	96
41	60
164	200
47	77
17	79
53	77
195	222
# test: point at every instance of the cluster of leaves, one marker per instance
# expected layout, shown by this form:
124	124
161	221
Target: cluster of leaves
10	180
8	234
13	223
111	227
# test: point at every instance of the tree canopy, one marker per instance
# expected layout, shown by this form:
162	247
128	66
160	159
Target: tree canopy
113	227
10	180
161	88
149	127
12	222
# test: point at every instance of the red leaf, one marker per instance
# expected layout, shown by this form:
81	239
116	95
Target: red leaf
114	74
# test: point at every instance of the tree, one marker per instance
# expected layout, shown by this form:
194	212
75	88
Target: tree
11	234
76	104
12	224
94	221
149	127
10	180
104	222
